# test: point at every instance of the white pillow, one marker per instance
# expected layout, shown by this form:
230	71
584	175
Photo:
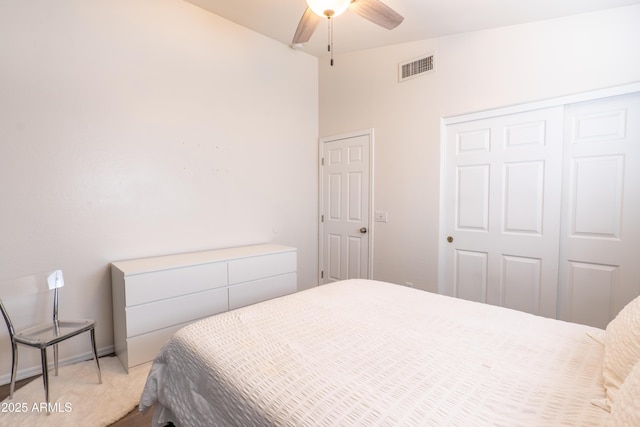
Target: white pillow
626	409
621	348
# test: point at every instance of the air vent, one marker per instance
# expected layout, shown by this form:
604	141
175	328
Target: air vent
416	67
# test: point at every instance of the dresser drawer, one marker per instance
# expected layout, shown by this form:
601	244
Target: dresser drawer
161	314
144	348
247	269
262	290
162	284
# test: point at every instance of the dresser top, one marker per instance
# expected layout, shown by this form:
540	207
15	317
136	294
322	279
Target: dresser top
165	262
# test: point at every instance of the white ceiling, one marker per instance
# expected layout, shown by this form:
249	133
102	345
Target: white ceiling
424	19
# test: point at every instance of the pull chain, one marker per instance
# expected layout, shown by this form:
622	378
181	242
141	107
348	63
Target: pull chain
330	43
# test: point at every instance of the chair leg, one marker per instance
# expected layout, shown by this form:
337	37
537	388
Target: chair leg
45	377
55	359
95	354
14	368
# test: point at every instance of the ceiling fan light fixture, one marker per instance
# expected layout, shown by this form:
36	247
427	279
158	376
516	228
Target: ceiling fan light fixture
328	8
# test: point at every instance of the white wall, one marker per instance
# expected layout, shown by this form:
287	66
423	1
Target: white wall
133	128
475	71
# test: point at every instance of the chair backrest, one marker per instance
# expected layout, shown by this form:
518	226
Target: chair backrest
29	285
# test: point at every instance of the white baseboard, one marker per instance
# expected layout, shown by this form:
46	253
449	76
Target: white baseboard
37	370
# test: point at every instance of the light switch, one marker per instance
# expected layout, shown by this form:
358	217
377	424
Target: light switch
382	216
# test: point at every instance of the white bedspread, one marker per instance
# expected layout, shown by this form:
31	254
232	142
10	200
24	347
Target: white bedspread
368	353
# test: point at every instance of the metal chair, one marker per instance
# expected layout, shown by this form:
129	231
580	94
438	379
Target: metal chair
43	335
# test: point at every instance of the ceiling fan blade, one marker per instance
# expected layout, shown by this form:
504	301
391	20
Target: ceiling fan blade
306	27
377	12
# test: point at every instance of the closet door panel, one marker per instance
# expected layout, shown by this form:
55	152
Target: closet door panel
600	243
502	210
592	285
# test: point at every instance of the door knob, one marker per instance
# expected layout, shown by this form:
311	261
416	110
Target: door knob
449	239
363	230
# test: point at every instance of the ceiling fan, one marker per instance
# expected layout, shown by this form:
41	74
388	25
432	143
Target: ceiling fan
372	10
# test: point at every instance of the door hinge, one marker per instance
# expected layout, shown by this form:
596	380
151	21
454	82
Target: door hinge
322	161
322	274
321	218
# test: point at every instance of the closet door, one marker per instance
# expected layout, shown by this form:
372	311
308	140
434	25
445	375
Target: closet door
600	244
502	210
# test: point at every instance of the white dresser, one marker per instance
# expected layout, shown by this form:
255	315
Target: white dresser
154	297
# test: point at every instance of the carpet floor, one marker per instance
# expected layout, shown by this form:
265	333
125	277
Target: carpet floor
76	397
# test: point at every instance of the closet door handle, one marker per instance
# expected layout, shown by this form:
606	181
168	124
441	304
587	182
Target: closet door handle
363	230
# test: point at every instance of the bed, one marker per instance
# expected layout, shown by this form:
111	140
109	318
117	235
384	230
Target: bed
364	352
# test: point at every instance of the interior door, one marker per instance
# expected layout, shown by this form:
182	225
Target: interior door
345	207
502	210
601	211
